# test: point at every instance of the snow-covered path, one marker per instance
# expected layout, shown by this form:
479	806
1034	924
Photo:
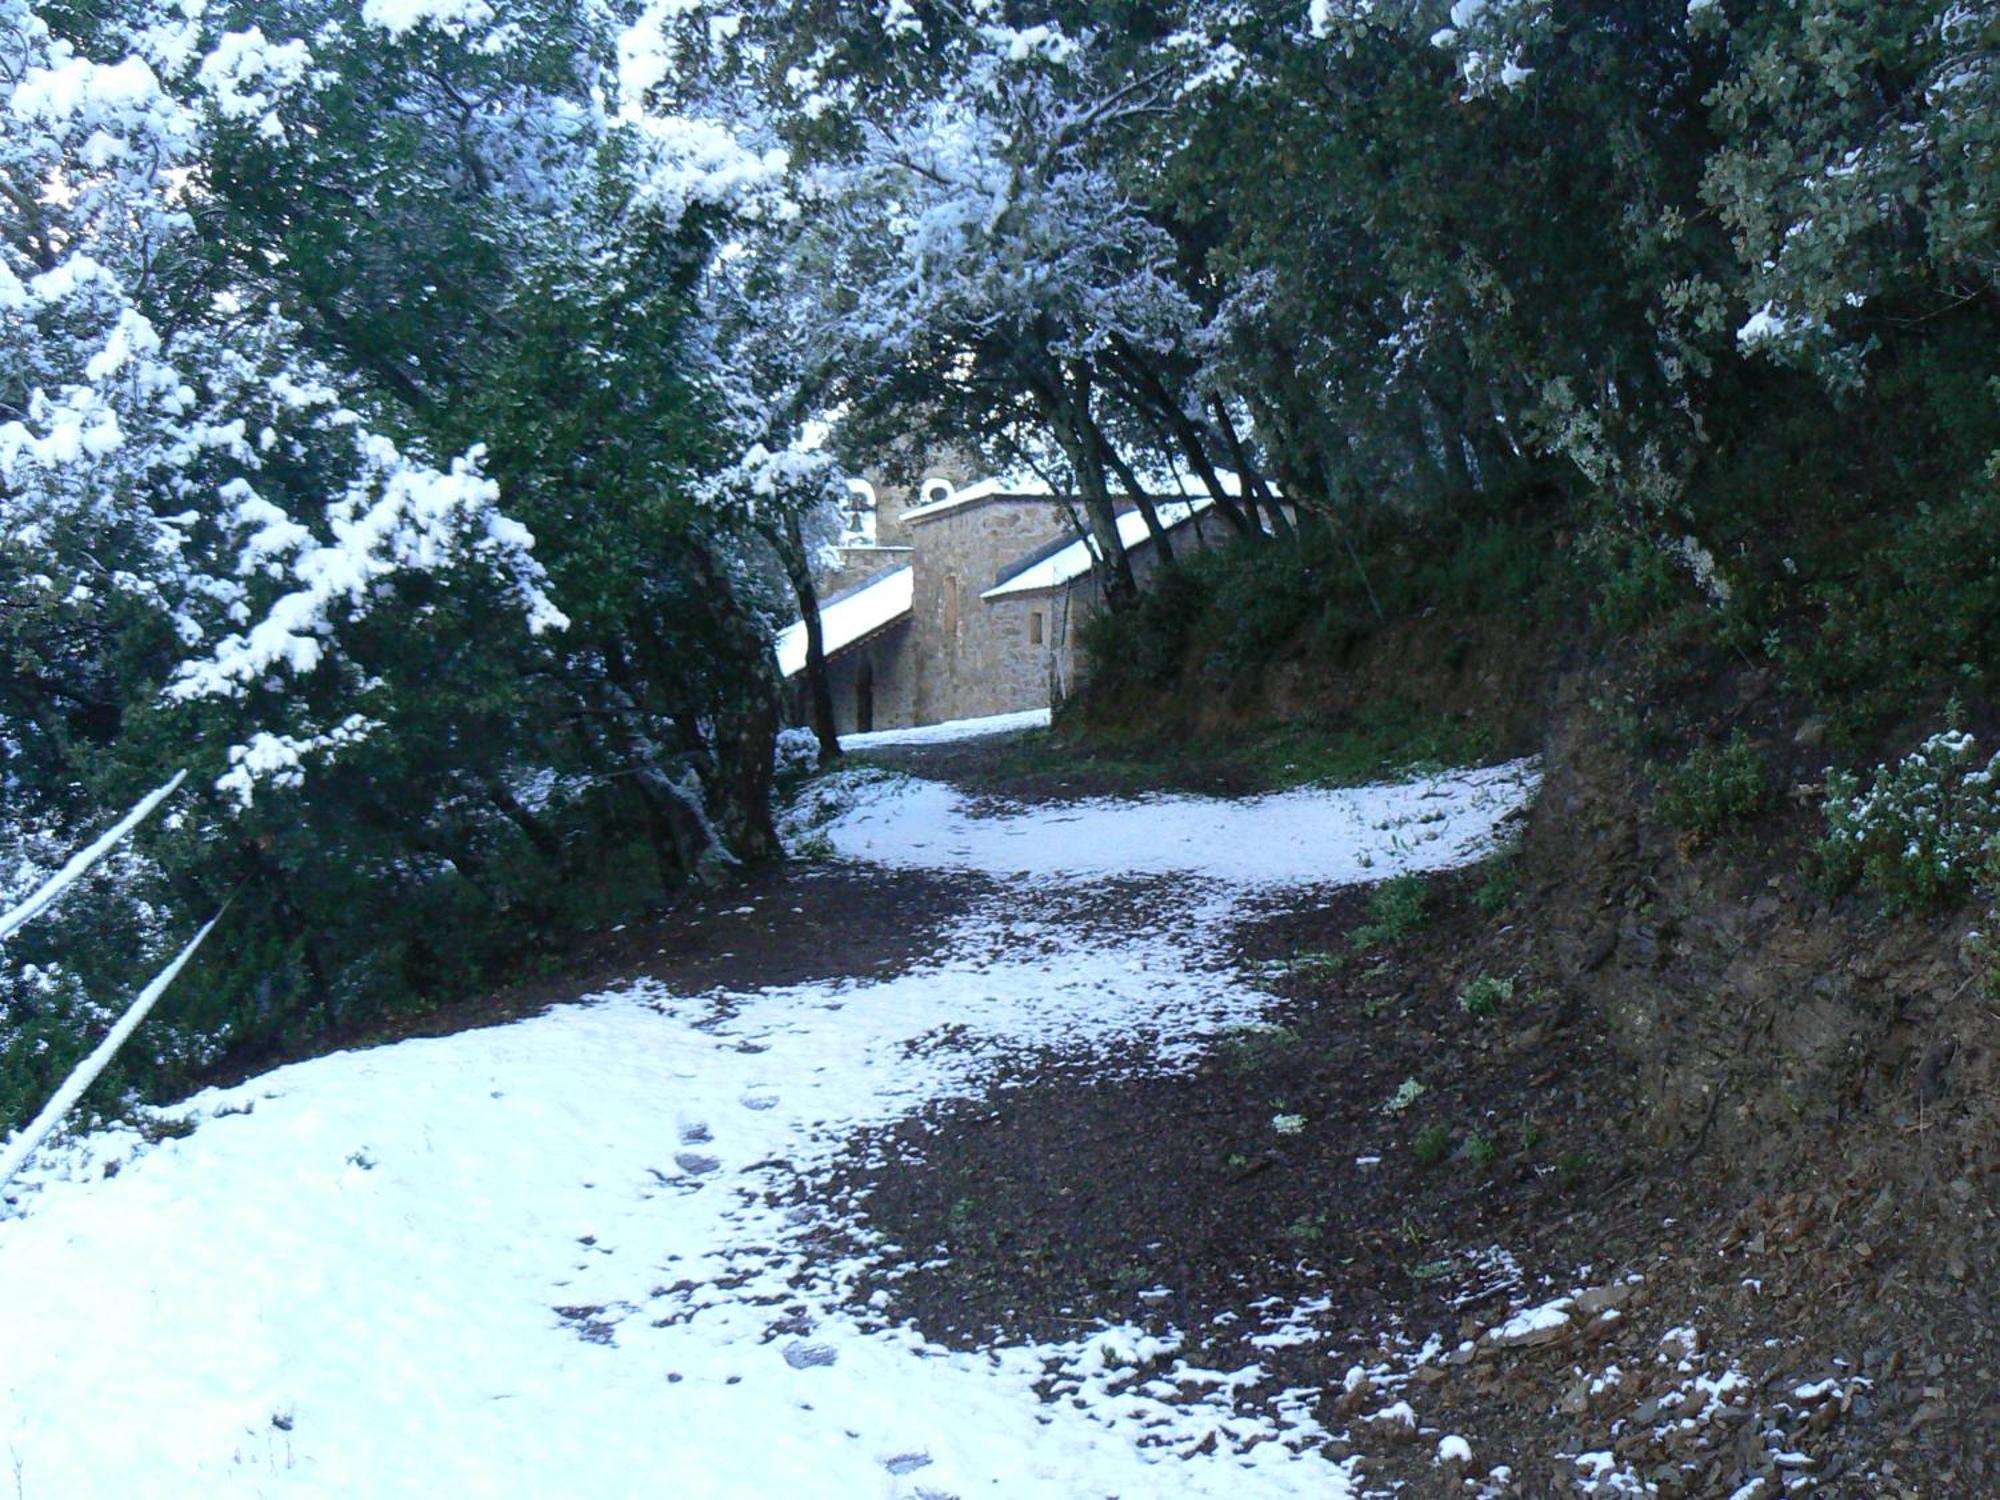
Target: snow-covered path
552	1258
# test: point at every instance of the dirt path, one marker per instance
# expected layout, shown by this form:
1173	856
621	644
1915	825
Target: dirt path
572	1252
1029	1148
1273	1210
1265	1209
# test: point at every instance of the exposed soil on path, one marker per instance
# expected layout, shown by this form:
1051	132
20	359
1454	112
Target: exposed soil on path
1748	1329
1083	1195
795	924
1006	768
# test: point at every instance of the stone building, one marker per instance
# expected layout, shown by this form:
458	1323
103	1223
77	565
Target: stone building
962	600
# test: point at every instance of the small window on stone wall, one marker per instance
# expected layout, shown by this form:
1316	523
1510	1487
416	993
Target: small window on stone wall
1035	627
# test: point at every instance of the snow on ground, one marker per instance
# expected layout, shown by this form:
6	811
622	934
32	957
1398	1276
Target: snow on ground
1310	836
950	730
555	1258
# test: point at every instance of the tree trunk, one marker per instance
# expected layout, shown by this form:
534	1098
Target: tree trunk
538	833
790	545
1188	437
1137	491
1254	488
1068	413
675	823
746	727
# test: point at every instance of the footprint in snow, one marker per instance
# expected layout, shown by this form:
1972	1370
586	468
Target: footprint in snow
907	1463
695	1163
696	1134
804	1356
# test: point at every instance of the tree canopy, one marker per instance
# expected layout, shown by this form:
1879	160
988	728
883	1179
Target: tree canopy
408	410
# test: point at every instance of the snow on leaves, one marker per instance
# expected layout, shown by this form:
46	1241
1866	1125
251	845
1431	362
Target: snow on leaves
394	516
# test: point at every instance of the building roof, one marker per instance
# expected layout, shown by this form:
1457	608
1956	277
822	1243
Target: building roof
985	489
1074	560
850	617
1031	487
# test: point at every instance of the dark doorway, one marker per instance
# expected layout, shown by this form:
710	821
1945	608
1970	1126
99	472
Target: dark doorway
864	697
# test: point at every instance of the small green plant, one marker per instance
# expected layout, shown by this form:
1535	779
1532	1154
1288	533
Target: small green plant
1716	788
1312	964
1307	1229
1408	1092
1480	1151
1250	1049
1430	1270
959	1219
1573	1166
1396	909
1496	892
156	1127
1980	948
1485	995
1531	1134
1432	1145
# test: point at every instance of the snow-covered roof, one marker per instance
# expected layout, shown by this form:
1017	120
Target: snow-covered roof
985	489
1073	561
849	617
1032	487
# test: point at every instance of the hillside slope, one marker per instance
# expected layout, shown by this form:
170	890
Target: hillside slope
1802	1109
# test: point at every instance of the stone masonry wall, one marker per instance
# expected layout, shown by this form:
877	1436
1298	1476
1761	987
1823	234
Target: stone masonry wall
860	565
971	658
960	656
886	665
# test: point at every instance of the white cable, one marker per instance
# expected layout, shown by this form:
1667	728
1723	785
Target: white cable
69	874
85	1074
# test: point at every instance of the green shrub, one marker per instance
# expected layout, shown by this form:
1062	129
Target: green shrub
1496	891
1865	643
1480	1151
1148	644
1265	602
1922	835
1485	995
1397	909
1637	582
1432	1145
1716	788
1334	583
